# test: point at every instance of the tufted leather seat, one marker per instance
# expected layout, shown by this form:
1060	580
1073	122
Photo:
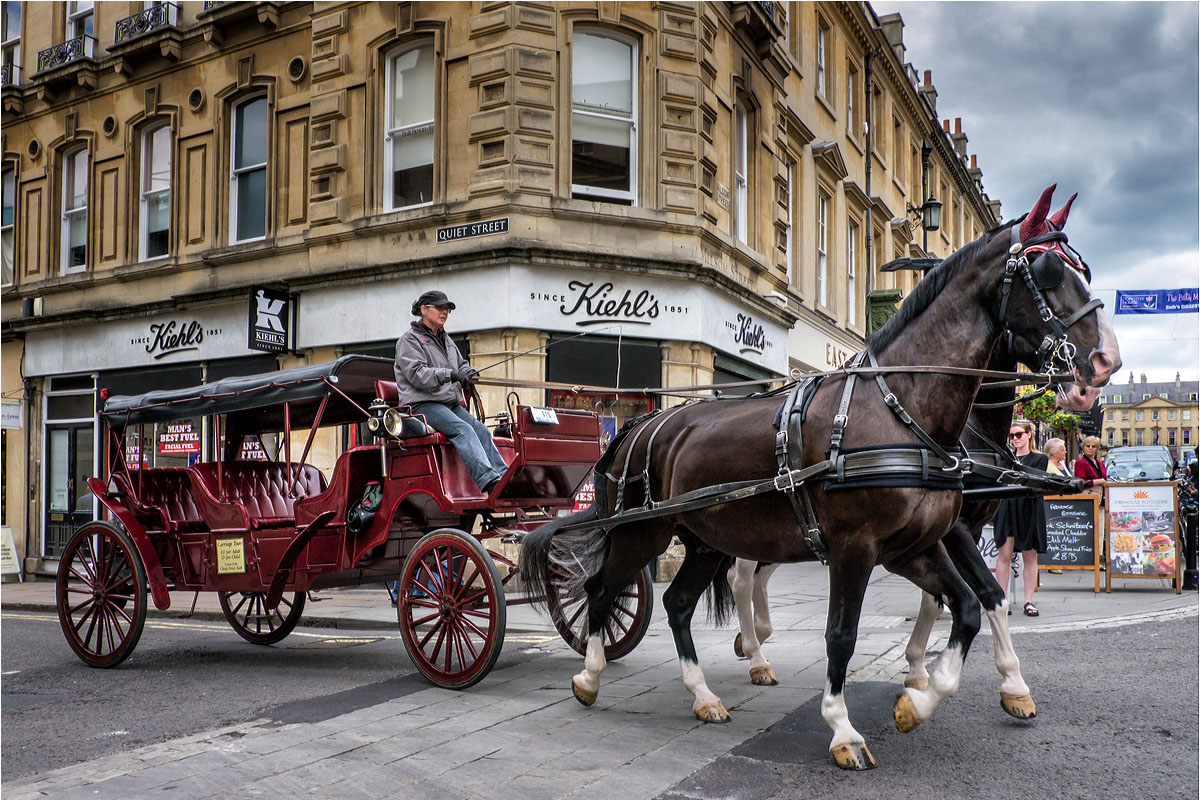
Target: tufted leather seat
262	488
167	490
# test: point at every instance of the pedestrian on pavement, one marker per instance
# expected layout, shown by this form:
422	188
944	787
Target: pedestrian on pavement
1056	453
1090	468
431	375
1021	522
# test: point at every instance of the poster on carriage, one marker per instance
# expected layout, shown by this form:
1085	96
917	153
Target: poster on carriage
1072	535
1143	533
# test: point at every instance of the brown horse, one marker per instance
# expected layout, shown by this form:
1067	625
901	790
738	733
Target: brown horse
986	430
953	319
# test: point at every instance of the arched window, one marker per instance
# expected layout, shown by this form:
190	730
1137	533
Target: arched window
155	209
409	140
75	211
248	178
603	117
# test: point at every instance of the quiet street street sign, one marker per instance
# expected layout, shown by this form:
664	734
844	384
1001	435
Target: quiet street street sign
469	230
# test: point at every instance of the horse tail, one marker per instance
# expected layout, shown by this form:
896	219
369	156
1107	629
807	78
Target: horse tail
577	555
720	594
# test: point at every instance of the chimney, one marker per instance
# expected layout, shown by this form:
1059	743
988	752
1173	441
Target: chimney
1178	383
974	166
1143	380
946	126
959	138
893	30
928	92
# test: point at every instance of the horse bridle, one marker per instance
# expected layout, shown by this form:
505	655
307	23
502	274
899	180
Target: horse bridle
1046	272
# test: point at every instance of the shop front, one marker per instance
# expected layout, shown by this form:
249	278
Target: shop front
815	345
77	367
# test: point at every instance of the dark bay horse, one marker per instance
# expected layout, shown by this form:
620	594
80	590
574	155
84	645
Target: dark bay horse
953	319
986	430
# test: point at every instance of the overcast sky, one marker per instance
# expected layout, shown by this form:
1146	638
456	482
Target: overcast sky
1102	99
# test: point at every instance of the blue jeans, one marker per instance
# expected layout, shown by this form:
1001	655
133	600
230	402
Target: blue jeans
470	437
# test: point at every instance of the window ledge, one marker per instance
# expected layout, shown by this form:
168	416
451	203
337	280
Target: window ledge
854	141
824	103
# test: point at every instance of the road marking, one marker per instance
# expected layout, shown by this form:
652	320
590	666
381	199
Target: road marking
10	673
163	624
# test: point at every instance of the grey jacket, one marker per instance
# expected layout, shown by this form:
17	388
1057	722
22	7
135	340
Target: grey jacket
423	366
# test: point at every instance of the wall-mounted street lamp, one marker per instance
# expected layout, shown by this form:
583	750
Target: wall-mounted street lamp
929	213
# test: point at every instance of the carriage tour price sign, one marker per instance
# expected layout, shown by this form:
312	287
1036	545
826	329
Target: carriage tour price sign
1143	532
1073	529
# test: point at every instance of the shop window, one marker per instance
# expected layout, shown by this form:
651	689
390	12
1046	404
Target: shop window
822	248
604	361
248	178
851	270
409	142
11	36
75	211
604	117
155	208
69	459
79	18
741	205
7	230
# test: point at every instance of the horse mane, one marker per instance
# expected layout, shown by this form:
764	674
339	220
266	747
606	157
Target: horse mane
930	286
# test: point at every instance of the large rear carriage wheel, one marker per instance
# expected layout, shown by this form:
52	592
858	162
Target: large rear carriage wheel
627	621
101	594
247	613
451	609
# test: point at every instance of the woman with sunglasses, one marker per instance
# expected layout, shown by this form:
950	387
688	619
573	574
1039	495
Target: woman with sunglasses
1020	524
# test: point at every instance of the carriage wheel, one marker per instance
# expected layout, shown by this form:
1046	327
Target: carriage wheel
627	621
451	609
248	614
101	594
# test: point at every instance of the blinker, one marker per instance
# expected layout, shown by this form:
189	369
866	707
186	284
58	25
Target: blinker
1047	271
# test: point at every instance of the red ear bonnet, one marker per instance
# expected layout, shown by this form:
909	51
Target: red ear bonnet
1060	217
1035	223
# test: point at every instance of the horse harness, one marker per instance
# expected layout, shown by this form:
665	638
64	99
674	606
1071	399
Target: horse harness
924	464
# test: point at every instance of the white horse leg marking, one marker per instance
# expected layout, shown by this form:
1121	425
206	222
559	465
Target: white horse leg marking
943	683
707	706
833	709
1007	663
918	643
743	579
586	684
762	610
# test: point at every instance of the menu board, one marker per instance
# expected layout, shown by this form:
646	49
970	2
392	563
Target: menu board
1142	531
1072	534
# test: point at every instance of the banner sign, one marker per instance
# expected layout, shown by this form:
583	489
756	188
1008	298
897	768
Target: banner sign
272	320
1142	531
179	438
1158	301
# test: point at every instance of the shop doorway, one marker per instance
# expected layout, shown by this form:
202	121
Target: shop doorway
70	457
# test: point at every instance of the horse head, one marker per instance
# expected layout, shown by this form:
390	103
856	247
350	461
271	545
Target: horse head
1044	297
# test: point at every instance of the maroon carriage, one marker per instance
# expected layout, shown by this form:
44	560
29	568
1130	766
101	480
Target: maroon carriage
262	530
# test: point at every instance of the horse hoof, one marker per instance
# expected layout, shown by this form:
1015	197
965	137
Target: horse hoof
917	682
852	756
905	714
763	676
582	695
713	712
737	646
1019	706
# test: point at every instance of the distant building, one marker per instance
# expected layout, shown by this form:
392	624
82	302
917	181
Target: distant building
1152	413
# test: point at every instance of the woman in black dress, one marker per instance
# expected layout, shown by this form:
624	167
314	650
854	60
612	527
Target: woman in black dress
1021	522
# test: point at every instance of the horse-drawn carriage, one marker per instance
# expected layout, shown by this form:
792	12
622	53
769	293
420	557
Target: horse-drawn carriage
262	530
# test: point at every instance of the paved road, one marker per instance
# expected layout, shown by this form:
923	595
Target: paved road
187	677
1117	718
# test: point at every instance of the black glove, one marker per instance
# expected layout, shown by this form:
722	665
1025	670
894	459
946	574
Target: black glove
461	376
472	375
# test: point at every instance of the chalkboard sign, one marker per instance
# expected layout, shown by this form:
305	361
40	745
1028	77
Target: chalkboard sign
1072	526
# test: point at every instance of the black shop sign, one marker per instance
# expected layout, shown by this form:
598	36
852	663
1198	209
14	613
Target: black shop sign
451	233
272	320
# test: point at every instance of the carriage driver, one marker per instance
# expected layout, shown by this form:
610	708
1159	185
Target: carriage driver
430	377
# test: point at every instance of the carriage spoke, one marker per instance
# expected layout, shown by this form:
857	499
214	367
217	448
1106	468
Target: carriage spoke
422	621
118	574
91	611
458	646
122	613
475	628
429	635
421	602
239	606
466	585
77	575
578	613
483	612
71	612
623	609
468	601
470	646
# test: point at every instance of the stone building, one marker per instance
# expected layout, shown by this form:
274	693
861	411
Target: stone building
707	190
1152	413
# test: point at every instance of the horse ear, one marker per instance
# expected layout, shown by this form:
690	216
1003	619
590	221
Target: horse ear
1060	217
1035	223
